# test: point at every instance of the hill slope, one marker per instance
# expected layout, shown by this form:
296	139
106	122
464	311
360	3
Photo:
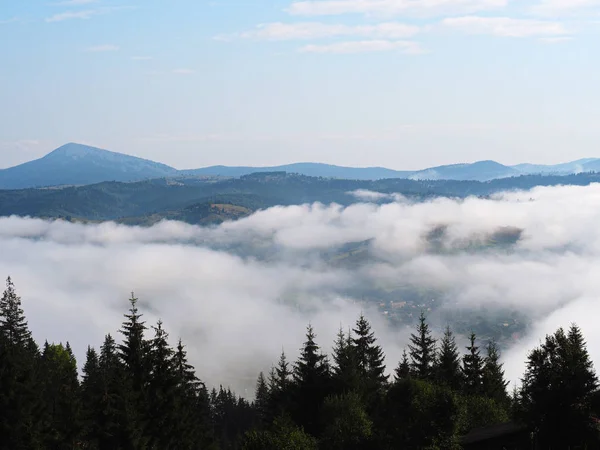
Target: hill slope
308	169
201	201
76	164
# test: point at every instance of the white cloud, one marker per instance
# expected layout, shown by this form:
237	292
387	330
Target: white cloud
102	48
68	15
85	14
393	7
504	26
315	30
183	71
407	47
75	2
561	7
74	279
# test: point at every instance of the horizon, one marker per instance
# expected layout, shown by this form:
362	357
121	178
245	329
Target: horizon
46	153
392	84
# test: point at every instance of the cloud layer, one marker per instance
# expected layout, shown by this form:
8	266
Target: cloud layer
550	21
240	292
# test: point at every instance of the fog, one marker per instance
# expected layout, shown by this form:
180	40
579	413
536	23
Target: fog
239	293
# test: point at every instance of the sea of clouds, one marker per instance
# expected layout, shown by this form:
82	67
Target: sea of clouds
239	293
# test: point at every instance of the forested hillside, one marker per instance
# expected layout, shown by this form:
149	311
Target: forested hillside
200	200
138	392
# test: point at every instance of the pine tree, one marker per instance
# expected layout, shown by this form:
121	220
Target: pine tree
312	381
447	367
21	409
345	368
134	354
194	429
91	399
280	388
558	388
369	358
111	417
12	318
402	372
134	350
422	351
261	402
61	397
493	382
473	367
284	373
161	393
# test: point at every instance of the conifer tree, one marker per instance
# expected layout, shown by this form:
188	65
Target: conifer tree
61	397
473	367
91	398
493	382
280	388
369	357
12	318
558	388
134	355
261	402
402	372
312	381
422	351
194	427
284	373
134	350
21	408
115	429
345	368
161	394
447	367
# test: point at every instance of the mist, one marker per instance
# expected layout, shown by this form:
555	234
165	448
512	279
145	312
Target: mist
239	293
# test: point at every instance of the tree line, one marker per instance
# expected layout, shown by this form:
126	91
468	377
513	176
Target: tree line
139	393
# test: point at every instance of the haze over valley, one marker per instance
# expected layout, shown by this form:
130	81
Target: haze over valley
300	224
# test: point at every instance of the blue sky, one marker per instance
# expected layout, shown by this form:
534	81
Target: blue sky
399	83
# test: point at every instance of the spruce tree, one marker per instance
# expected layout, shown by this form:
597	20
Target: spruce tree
22	411
134	354
261	402
112	418
473	367
280	388
312	382
345	371
12	318
91	399
402	372
194	423
61	395
161	393
447	367
558	388
368	357
422	351
134	349
493	382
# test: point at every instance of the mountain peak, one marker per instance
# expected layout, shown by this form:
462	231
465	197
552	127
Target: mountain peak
73	149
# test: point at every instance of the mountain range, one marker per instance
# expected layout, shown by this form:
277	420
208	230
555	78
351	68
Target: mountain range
76	164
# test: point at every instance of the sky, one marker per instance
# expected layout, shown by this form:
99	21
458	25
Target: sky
236	310
404	84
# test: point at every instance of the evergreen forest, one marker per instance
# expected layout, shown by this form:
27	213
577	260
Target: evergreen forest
137	392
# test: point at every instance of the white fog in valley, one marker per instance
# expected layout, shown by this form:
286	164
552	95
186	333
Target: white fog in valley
240	292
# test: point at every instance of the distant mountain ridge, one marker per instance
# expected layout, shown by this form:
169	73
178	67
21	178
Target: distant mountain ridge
77	164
